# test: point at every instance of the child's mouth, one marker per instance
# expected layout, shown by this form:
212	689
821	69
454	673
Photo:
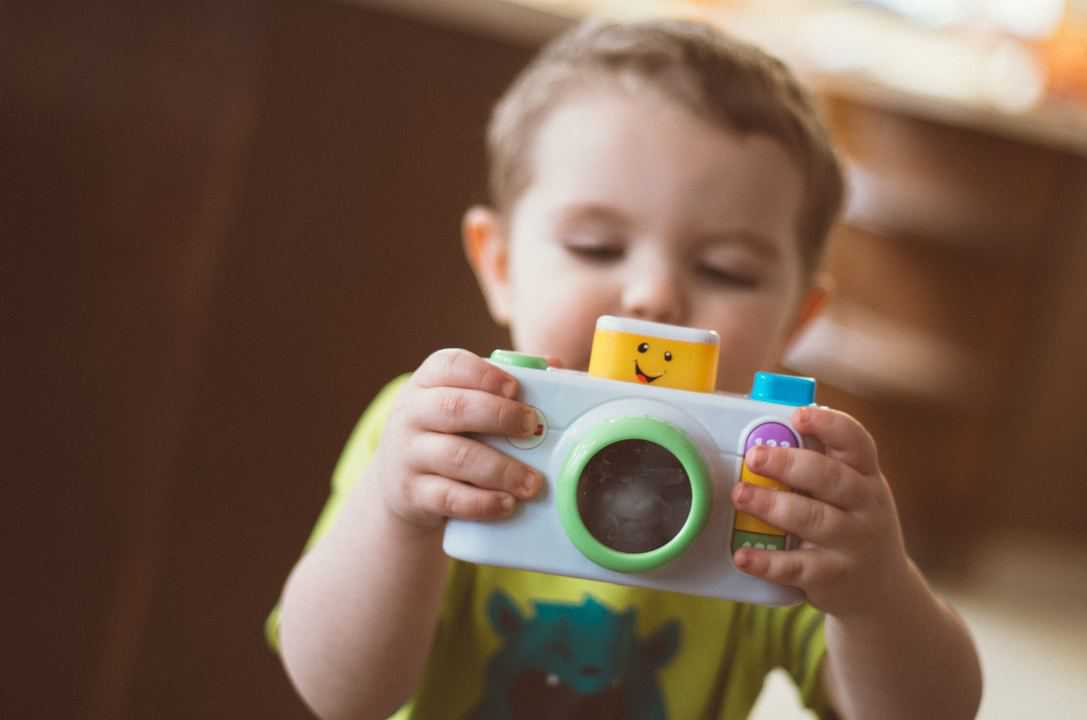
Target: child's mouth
642	377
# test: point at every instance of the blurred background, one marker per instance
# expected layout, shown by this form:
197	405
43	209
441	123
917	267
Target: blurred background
226	224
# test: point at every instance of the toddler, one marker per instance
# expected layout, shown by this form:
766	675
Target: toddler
654	170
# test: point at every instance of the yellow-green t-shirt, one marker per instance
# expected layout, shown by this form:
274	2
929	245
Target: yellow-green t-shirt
514	644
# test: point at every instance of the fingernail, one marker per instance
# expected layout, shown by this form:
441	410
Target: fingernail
528	486
756	456
509	388
528	425
744	493
507	503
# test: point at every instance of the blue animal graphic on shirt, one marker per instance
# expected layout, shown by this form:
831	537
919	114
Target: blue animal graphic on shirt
573	662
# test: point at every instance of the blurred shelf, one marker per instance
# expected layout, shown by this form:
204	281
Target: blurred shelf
524	22
984	82
801	38
1053	124
864	353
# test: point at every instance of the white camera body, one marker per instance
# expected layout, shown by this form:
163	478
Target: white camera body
597	519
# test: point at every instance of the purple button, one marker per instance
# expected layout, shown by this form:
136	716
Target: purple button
774	434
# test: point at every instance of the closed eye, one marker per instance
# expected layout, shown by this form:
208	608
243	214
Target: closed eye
720	276
596	253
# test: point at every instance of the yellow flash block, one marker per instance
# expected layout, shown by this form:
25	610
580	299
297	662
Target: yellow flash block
750	523
654	354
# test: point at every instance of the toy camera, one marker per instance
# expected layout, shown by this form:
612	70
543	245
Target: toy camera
639	456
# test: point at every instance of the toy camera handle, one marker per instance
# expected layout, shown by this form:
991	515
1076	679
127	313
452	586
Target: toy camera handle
750	531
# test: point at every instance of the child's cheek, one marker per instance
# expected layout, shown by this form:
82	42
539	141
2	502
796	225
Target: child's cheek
550	328
755	339
569	327
570	332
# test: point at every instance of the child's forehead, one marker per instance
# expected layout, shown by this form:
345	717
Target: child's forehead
611	133
610	161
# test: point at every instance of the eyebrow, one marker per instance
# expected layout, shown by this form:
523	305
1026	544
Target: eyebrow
593	212
755	241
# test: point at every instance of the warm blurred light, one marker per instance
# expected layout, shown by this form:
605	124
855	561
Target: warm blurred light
931	12
996	72
1028	18
1012	79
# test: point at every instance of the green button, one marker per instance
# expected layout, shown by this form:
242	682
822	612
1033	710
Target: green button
509	357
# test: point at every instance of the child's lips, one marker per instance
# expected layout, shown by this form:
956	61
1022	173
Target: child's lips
642	377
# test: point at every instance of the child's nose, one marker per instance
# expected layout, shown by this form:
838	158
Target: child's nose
655	295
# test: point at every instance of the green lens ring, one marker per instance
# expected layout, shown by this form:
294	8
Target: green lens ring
616	430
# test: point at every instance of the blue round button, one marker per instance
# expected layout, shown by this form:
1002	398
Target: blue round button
783	389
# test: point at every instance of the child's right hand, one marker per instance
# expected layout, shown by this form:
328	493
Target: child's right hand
428	469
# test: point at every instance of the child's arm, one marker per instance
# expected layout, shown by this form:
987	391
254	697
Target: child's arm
913	659
893	649
360	608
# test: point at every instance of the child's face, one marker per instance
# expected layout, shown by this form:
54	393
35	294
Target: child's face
638	208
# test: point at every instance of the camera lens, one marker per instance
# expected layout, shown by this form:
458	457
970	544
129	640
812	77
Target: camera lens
634	496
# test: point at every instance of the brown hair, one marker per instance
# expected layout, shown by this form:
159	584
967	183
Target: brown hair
728	83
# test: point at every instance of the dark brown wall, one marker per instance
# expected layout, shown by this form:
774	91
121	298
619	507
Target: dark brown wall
225	225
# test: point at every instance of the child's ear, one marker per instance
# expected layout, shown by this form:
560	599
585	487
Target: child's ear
813	303
488	254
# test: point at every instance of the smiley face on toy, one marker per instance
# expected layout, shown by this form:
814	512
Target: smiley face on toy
654	354
643	376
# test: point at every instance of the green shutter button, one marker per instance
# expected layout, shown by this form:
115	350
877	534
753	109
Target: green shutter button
518	359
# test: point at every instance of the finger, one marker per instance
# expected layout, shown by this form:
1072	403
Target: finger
842	437
798	568
453	410
820	476
463	369
470	461
440	496
806	517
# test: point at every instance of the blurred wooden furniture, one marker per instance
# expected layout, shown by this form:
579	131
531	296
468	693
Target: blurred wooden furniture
971	246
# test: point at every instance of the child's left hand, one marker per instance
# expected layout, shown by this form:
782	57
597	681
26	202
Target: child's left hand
852	556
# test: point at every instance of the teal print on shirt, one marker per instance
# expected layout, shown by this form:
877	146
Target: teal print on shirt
574	662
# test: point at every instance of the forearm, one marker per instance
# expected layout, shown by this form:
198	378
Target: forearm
914	658
359	611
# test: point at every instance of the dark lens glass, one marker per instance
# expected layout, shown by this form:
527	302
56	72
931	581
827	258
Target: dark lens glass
634	496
